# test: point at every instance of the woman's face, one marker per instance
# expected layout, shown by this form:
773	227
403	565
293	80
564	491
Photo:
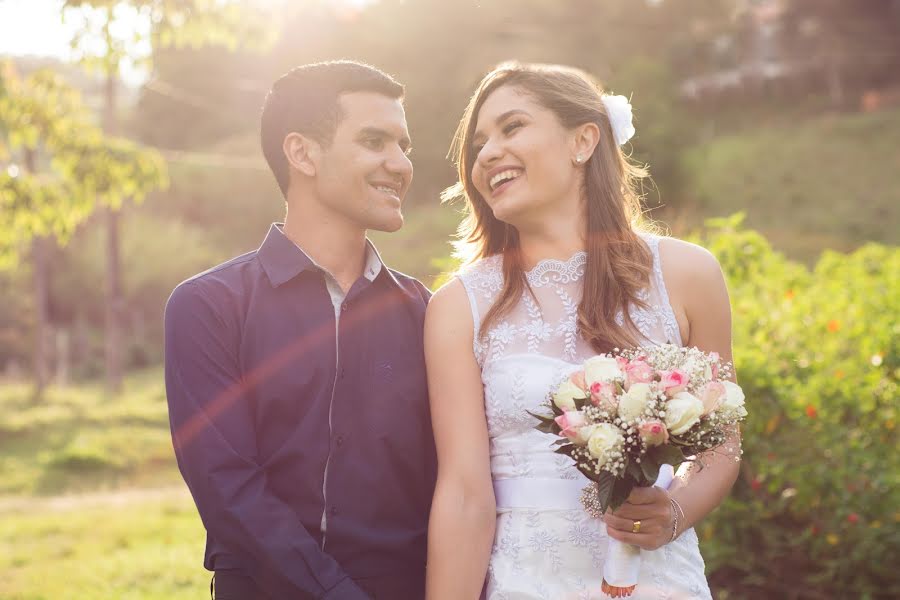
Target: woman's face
523	158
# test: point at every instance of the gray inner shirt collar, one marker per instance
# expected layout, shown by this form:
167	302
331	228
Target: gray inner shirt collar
371	270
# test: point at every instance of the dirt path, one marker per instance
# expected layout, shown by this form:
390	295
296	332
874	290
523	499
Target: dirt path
20	504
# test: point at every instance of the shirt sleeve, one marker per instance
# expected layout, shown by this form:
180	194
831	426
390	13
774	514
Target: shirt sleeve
215	444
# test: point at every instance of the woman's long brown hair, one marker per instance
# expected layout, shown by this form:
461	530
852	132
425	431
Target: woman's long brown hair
618	262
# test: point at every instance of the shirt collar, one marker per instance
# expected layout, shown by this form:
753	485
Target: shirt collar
282	259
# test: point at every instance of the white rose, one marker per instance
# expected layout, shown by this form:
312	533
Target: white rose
584	435
734	400
682	412
565	395
633	403
601	368
604	439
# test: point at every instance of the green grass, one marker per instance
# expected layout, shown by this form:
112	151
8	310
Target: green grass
828	182
91	501
116	548
79	438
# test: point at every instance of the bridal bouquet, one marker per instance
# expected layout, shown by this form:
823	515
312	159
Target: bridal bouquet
625	416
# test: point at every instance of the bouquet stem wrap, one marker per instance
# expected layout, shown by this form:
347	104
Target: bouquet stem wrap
623	561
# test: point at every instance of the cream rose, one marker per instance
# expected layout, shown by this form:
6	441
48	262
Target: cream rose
604	441
601	368
634	401
733	403
682	412
565	395
712	394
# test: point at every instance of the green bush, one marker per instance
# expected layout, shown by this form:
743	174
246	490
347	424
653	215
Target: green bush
815	511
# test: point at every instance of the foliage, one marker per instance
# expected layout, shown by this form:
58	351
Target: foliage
818	354
44	120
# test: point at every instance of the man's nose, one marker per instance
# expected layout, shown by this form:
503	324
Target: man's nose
399	164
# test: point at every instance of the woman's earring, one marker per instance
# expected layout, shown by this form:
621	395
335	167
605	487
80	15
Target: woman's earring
579	159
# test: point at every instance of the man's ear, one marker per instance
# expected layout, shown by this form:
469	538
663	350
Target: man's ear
302	153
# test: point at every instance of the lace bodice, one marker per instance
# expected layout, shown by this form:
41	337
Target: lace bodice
535	346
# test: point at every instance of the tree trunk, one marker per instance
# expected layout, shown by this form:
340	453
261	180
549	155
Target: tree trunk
41	278
114	301
63	357
41	282
114	345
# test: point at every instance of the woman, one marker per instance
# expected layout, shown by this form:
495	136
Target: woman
557	272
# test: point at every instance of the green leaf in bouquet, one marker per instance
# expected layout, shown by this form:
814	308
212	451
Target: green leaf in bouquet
634	469
546	425
649	469
622	487
666	454
565	450
605	484
580	403
560	442
557	411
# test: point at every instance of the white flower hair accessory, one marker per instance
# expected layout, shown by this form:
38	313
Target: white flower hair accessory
618	109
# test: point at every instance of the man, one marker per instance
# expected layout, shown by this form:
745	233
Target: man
295	374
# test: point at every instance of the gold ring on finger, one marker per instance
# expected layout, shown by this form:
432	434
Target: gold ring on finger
636	527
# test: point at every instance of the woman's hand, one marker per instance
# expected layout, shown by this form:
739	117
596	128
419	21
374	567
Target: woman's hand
652	508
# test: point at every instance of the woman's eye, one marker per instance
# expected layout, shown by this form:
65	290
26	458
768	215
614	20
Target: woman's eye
510	127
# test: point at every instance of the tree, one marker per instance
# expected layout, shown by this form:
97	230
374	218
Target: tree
108	39
855	39
60	167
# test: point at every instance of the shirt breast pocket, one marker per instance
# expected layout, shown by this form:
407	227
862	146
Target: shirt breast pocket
400	390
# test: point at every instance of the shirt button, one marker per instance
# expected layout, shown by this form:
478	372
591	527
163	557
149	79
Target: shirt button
344	306
340	440
333	511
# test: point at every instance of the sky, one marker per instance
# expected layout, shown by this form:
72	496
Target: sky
35	27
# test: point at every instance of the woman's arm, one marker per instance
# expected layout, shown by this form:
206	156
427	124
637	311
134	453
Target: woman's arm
699	298
463	513
697	285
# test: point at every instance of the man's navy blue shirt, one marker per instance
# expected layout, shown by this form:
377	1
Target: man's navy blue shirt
305	439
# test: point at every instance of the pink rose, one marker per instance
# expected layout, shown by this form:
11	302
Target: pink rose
577	379
603	394
673	381
638	371
653	433
711	396
570	422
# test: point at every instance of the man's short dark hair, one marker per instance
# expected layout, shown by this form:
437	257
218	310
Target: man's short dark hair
305	100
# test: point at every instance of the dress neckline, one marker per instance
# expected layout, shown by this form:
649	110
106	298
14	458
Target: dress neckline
554	270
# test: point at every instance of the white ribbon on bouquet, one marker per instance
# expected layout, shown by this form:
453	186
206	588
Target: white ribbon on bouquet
623	561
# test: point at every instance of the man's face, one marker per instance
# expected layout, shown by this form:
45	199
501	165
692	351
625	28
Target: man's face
364	174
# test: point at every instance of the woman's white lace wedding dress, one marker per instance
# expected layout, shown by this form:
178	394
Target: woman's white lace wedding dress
546	546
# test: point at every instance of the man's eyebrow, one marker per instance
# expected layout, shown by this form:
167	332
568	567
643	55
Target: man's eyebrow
404	140
480	135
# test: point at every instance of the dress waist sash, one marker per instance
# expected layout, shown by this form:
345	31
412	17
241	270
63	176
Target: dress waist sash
545	494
